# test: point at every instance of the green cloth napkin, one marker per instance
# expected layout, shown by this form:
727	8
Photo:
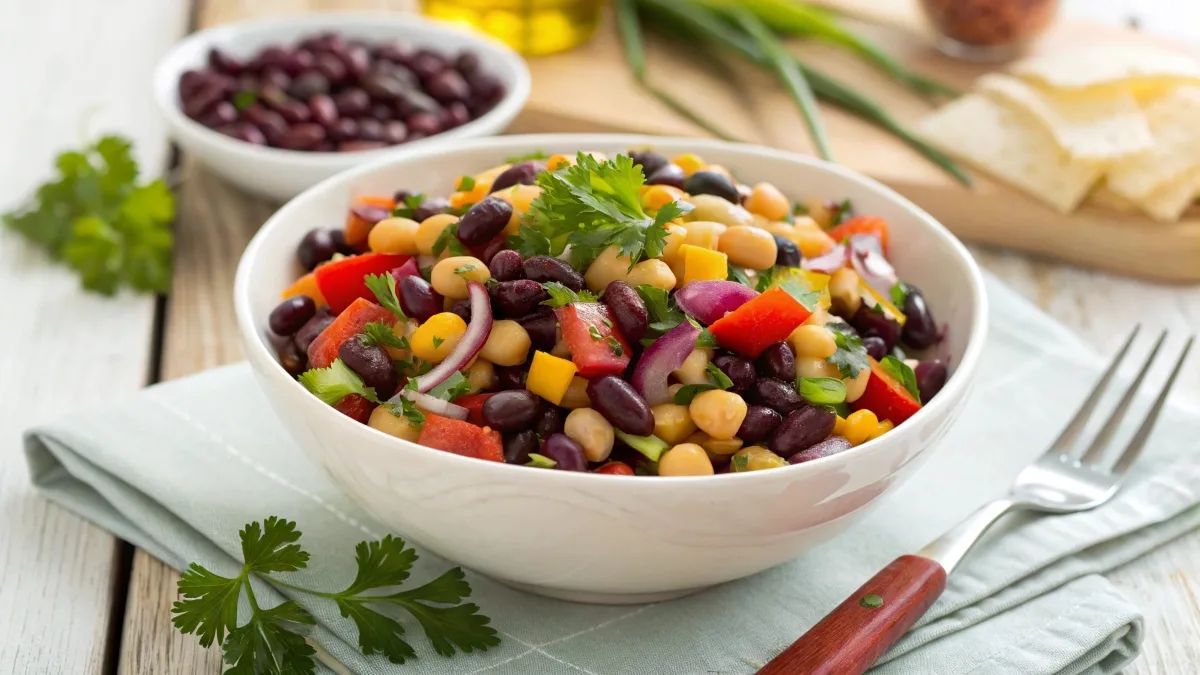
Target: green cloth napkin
180	467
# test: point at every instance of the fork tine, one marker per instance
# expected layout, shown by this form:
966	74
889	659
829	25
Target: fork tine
1095	451
1066	439
1134	449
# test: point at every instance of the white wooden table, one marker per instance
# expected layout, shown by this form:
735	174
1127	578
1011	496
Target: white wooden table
73	599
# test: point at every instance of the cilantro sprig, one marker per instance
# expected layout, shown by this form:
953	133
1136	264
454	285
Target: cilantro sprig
590	206
336	382
851	356
377	333
98	219
269	641
384	288
408	208
903	374
561	296
451	388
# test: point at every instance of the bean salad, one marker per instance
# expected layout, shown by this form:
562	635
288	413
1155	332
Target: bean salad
640	315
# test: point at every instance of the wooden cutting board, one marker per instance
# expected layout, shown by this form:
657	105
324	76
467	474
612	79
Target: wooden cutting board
589	89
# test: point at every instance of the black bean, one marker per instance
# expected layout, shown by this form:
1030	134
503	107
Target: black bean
551	419
512	410
760	422
544	269
787	253
627	309
931	377
310	330
520	297
521	173
920	330
873	322
649	160
778	395
518	446
739	370
431	206
396	52
483	221
417	298
291	358
308	85
463	309
623	407
373	364
565	452
875	346
291	314
669	174
778	361
381	112
315	248
802	428
711	183
298	62
506	265
542	327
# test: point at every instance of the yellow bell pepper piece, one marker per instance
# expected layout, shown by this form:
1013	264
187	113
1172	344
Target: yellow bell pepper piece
813	281
550	376
702	264
306	285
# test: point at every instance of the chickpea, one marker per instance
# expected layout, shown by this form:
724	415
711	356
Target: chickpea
692	370
436	338
590	430
855	386
812	243
685	459
672	422
810	367
394	235
844	292
676	235
507	344
430	229
520	197
819	317
704	233
718	413
651	272
718	210
749	246
757	458
561	350
673	389
481	375
816	209
450	276
717	448
608	267
767	200
576	396
813	341
393	425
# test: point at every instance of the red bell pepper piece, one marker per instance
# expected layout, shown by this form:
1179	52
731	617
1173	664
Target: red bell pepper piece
886	397
474	405
586	329
870	225
760	323
348	324
342	281
461	438
615	469
355	407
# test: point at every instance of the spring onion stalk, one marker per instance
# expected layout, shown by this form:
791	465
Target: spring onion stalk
694	26
635	56
792	77
801	20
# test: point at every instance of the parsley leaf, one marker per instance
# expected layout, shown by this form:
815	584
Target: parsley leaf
403	407
800	293
465	269
466	183
409	208
267	643
437	341
719	381
903	374
336	382
244	99
384	288
706	340
765	279
561	296
739	275
448	239
530	242
851	356
96	218
840	212
451	388
663	314
899	294
740	463
821	390
377	333
517	159
540	461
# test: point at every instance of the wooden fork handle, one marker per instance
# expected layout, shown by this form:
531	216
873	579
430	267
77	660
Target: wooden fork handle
853	636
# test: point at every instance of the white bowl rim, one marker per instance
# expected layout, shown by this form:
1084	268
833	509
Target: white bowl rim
957	385
166	82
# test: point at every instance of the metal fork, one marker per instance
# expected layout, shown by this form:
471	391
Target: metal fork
1062	480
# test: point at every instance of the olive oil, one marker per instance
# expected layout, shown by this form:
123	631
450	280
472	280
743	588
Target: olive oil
532	27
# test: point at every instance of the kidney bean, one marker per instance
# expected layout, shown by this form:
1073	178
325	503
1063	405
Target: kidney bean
566	452
381	111
760	422
344	129
247	132
505	265
352	102
270	122
291	358
224	62
447	87
202	100
627	309
511	410
373	364
543	269
426	64
324	110
931	377
331	67
275	78
518	446
293	111
621	405
739	370
869	322
424	123
357	60
486	92
417	298
310	330
315	248
542	327
396	52
483	221
801	429
455	115
298	62
920	331
711	183
778	361
291	314
431	206
521	173
649	160
383	87
370	129
394	132
670	174
787	253
219	115
302	137
191	81
830	446
356	146
775	394
308	85
519	297
550	420
414	101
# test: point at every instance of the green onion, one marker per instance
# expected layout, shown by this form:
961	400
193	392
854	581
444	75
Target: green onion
791	76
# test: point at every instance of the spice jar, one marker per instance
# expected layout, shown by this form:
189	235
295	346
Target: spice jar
988	30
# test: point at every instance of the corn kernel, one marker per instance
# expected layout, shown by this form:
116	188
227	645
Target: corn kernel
558	161
839	426
654	197
690	163
884	427
860	426
436	338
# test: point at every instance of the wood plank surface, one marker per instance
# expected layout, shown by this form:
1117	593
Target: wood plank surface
62	579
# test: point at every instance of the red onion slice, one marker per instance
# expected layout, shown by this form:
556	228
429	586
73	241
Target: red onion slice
708	301
436	405
408	269
470	344
828	263
866	255
663	356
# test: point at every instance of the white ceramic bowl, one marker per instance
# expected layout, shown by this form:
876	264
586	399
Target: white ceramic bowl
596	538
282	174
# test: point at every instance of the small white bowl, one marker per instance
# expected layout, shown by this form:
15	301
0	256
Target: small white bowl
282	174
596	538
